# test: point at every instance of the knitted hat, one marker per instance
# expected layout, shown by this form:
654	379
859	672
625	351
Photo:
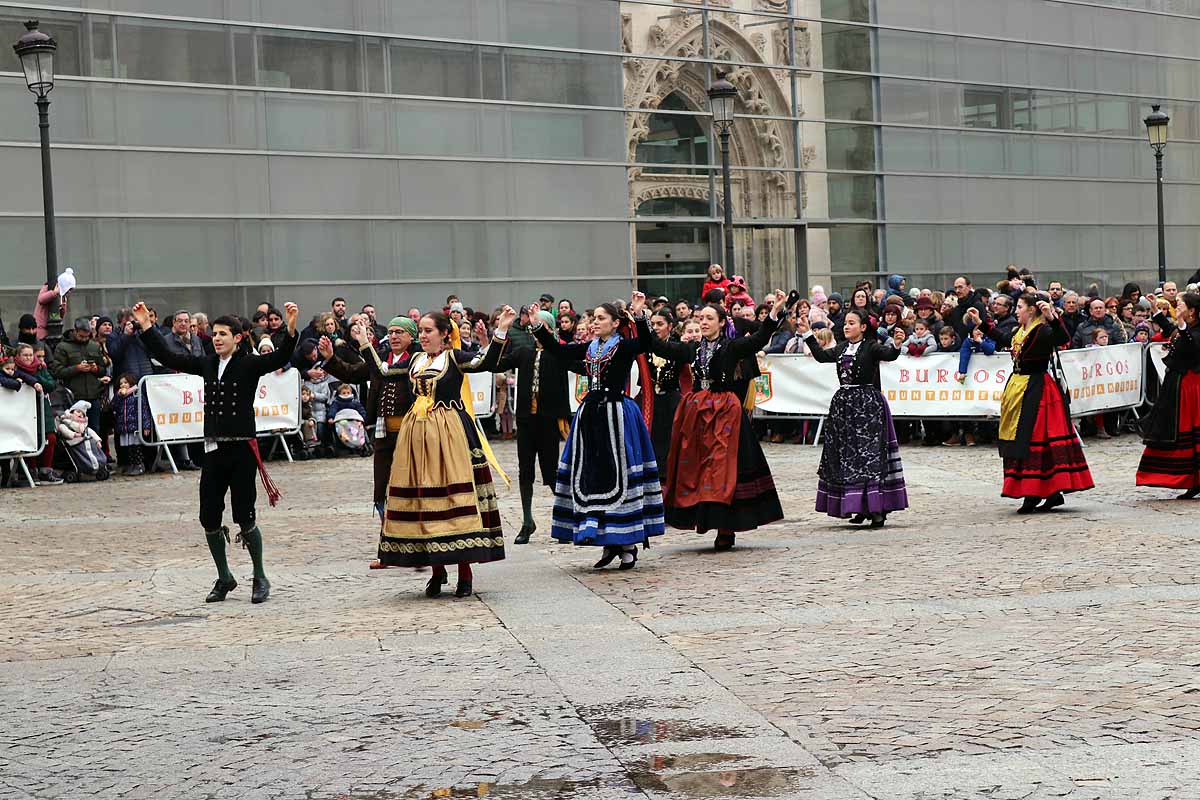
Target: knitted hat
547	318
82	406
1144	303
406	323
27	322
103	320
924	302
1141	326
895	298
837	298
83	324
818	298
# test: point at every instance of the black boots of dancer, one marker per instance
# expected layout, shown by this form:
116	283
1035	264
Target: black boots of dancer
251	539
628	554
440	579
1031	504
528	526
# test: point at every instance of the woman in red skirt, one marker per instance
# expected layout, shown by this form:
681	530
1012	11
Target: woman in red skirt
1042	456
1172	455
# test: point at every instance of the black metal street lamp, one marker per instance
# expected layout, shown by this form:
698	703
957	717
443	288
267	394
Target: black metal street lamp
1156	127
36	51
721	95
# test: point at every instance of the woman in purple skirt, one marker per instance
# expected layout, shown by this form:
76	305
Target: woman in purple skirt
860	476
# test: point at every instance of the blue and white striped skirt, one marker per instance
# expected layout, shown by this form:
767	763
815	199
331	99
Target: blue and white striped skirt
607	491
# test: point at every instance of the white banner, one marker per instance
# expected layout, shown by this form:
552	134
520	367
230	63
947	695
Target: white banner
1158	352
19	432
483	393
1104	378
1100	379
177	404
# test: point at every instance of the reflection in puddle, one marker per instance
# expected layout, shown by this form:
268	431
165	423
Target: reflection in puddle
537	789
640	731
691	761
729	783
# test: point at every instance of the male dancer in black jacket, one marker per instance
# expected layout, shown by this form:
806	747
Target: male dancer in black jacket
231	454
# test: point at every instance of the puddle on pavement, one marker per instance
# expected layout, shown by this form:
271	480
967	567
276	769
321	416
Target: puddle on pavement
642	731
537	789
765	782
691	761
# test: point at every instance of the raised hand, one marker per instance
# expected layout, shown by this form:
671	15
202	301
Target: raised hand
325	347
141	315
291	312
637	302
359	333
481	330
507	315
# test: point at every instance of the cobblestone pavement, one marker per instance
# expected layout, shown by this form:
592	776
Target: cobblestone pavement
962	652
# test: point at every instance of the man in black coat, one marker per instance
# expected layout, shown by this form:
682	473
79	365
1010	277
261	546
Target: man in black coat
968	297
231	451
542	411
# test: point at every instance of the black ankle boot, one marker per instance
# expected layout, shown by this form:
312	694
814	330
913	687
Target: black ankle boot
1052	502
1190	494
724	541
260	591
220	589
526	531
632	563
434	587
1029	505
610	553
858	519
464	589
877	520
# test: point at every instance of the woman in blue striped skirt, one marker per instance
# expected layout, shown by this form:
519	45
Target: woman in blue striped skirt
607	492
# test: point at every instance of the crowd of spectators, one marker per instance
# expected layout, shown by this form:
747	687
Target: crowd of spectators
96	369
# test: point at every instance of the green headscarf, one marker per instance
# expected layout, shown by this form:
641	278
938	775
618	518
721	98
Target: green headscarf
407	324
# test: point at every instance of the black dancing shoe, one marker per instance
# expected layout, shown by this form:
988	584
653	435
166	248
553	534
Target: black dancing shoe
724	541
629	564
858	519
1052	502
260	591
877	520
464	589
434	587
219	590
1029	505
610	554
1190	494
524	534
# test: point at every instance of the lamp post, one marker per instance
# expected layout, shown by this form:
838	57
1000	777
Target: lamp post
36	51
1156	129
721	95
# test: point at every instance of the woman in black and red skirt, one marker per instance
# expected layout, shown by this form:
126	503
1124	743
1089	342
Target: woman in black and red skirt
717	477
1172	456
1043	459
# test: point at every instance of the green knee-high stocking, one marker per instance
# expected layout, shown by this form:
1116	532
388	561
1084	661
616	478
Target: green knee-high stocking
252	539
216	546
527	503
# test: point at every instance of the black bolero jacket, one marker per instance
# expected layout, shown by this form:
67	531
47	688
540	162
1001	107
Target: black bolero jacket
553	400
229	402
865	369
1038	348
607	377
732	366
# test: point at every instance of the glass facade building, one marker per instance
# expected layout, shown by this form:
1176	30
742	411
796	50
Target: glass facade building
212	153
1012	132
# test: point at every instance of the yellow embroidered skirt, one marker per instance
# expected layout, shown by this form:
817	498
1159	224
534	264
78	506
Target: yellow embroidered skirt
441	503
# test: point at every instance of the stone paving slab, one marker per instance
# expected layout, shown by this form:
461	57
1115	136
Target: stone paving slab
962	652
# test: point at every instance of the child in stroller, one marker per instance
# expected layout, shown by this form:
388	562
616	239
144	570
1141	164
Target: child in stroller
81	444
349	421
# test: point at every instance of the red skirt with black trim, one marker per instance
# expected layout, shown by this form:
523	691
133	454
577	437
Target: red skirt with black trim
1176	465
1055	461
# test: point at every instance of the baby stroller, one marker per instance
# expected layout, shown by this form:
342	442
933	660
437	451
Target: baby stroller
350	433
80	446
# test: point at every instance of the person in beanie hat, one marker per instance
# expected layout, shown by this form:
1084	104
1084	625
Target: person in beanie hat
835	310
231	450
388	399
27	330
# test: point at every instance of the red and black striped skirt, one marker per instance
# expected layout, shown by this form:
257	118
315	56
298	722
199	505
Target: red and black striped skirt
1176	465
1055	460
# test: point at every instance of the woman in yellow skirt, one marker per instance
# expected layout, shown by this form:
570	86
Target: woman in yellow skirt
441	504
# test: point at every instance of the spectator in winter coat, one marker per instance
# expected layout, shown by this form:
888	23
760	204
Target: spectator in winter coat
716	280
968	297
127	353
80	364
922	342
1097	318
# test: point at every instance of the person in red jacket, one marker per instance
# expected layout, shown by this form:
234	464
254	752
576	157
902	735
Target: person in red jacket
716	280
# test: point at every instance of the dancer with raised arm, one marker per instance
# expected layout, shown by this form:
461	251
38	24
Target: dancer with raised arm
861	476
1172	455
231	454
441	503
717	477
607	493
1043	460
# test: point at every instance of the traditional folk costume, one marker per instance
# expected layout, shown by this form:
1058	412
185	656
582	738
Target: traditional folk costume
668	363
860	475
1042	455
231	455
1172	455
607	492
388	400
543	413
717	477
441	503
